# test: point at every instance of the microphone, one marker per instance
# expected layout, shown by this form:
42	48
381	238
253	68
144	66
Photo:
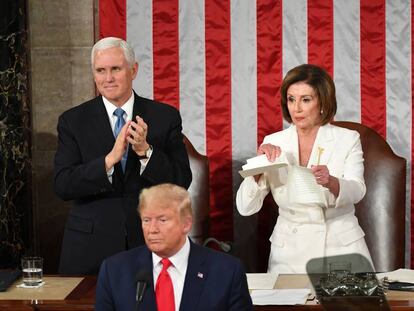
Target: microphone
143	279
225	247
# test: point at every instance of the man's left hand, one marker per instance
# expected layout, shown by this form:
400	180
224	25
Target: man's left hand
137	136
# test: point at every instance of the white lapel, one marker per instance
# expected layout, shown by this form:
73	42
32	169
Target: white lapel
325	140
291	145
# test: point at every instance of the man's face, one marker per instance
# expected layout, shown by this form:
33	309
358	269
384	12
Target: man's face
165	231
113	75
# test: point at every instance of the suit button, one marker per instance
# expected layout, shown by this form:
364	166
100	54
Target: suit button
294	230
292	212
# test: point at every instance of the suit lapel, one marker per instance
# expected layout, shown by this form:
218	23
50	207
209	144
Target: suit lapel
293	145
325	140
101	125
195	278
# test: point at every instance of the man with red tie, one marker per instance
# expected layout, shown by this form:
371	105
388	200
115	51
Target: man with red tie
171	273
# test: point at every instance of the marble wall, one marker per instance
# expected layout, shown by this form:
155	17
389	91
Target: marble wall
61	34
15	212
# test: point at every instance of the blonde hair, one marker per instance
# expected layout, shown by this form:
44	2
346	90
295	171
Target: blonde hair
175	197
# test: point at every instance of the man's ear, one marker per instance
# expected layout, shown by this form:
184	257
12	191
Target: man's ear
134	70
187	224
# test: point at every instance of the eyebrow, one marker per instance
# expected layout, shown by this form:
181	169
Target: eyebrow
301	95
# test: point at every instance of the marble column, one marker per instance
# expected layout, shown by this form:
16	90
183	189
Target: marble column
15	165
62	33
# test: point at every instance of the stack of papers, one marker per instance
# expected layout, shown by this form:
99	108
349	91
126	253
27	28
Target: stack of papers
280	296
260	164
400	275
261	280
301	183
262	290
302	187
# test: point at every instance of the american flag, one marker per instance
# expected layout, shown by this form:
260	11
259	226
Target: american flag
221	63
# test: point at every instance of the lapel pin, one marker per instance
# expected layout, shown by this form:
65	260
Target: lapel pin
200	275
320	151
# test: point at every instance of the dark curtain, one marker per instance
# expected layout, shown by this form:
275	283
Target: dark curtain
15	168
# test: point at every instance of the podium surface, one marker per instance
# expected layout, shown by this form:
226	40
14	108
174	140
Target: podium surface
78	293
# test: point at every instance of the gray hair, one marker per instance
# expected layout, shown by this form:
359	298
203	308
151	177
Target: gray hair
112	42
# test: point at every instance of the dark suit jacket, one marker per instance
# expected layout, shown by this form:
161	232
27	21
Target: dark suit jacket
103	219
214	281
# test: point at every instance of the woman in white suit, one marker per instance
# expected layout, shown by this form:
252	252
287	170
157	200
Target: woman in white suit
306	230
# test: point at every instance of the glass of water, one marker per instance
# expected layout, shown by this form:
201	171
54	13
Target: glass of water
32	268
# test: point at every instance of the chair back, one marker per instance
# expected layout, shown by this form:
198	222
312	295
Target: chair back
381	213
199	193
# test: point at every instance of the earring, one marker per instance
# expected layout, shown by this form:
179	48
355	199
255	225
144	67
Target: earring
321	111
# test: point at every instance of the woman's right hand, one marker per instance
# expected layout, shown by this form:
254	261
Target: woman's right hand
271	151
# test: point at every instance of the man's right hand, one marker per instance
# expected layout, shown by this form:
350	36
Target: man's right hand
118	149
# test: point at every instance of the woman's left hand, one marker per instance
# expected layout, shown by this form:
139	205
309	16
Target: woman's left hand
321	174
323	178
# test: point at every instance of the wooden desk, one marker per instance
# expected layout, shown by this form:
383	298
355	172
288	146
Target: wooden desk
83	298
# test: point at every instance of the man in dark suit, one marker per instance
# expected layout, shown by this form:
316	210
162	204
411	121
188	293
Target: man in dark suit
202	279
106	156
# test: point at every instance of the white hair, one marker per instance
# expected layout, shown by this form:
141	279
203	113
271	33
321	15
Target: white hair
112	42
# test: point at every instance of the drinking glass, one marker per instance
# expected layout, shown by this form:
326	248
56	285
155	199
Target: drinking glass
32	268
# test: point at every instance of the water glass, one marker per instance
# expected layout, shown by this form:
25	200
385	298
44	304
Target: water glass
32	268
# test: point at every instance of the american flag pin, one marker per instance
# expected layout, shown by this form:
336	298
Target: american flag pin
200	275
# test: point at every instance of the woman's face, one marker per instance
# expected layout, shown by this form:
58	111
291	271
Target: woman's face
303	106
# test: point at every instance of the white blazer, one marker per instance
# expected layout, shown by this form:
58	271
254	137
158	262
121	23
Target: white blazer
306	231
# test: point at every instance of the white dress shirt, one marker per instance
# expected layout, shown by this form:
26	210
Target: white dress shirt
176	271
127	107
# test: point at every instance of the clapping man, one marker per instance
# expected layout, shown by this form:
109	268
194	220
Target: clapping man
109	149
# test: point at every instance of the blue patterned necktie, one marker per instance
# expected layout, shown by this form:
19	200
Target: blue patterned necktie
120	122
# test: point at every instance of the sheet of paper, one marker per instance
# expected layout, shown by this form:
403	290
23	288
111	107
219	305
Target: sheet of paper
260	160
400	275
260	164
261	280
280	296
302	186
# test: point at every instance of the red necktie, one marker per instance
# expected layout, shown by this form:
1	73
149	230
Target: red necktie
164	290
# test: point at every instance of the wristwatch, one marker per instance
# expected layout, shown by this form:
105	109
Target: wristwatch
147	154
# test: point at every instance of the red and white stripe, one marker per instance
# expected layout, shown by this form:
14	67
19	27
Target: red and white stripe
221	63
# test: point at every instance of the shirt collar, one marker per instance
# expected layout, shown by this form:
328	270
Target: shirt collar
179	259
128	107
